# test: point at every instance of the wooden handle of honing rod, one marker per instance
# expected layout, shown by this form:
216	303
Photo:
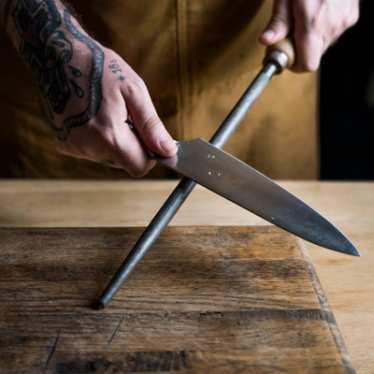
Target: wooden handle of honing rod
282	54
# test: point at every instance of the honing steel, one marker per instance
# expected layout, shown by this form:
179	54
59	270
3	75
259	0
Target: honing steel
205	163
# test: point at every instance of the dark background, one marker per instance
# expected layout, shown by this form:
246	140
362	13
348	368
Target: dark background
347	103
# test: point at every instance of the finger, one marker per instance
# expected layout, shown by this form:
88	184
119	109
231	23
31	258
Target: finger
130	154
280	23
146	121
118	148
110	140
309	46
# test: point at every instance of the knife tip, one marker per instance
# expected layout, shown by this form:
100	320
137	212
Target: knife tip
348	248
334	239
337	241
355	252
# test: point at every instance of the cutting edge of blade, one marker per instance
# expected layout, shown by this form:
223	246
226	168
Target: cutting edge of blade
349	248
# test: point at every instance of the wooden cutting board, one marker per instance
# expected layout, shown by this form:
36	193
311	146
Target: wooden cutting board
204	300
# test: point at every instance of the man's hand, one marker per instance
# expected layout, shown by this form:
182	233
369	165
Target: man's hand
90	93
109	136
313	24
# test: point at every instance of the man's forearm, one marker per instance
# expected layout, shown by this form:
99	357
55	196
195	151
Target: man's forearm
66	62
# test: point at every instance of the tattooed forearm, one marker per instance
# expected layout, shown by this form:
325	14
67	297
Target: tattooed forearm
94	80
45	48
48	42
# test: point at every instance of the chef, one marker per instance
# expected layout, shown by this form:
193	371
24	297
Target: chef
95	66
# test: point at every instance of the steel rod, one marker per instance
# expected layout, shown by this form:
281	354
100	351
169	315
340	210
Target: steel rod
185	186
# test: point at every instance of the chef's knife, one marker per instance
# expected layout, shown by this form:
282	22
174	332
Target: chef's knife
235	180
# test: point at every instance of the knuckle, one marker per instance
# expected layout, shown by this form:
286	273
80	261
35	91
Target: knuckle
135	87
141	84
103	132
152	126
356	15
311	18
129	87
108	140
352	20
311	65
138	83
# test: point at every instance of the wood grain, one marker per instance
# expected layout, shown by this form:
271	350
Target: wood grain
205	299
348	283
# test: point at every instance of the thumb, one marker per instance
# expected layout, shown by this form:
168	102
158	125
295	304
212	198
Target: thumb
279	26
147	123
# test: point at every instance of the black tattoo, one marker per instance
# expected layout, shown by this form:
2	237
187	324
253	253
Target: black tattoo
95	79
76	72
115	68
47	48
78	90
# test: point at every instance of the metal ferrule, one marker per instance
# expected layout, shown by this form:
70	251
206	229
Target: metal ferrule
279	58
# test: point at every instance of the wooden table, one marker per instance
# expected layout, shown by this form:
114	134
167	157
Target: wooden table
348	282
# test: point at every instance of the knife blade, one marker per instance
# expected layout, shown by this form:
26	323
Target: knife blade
235	180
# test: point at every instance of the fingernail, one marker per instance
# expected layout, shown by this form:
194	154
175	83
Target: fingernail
268	35
169	146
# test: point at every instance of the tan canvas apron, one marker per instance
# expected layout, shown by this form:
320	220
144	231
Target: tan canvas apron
197	57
